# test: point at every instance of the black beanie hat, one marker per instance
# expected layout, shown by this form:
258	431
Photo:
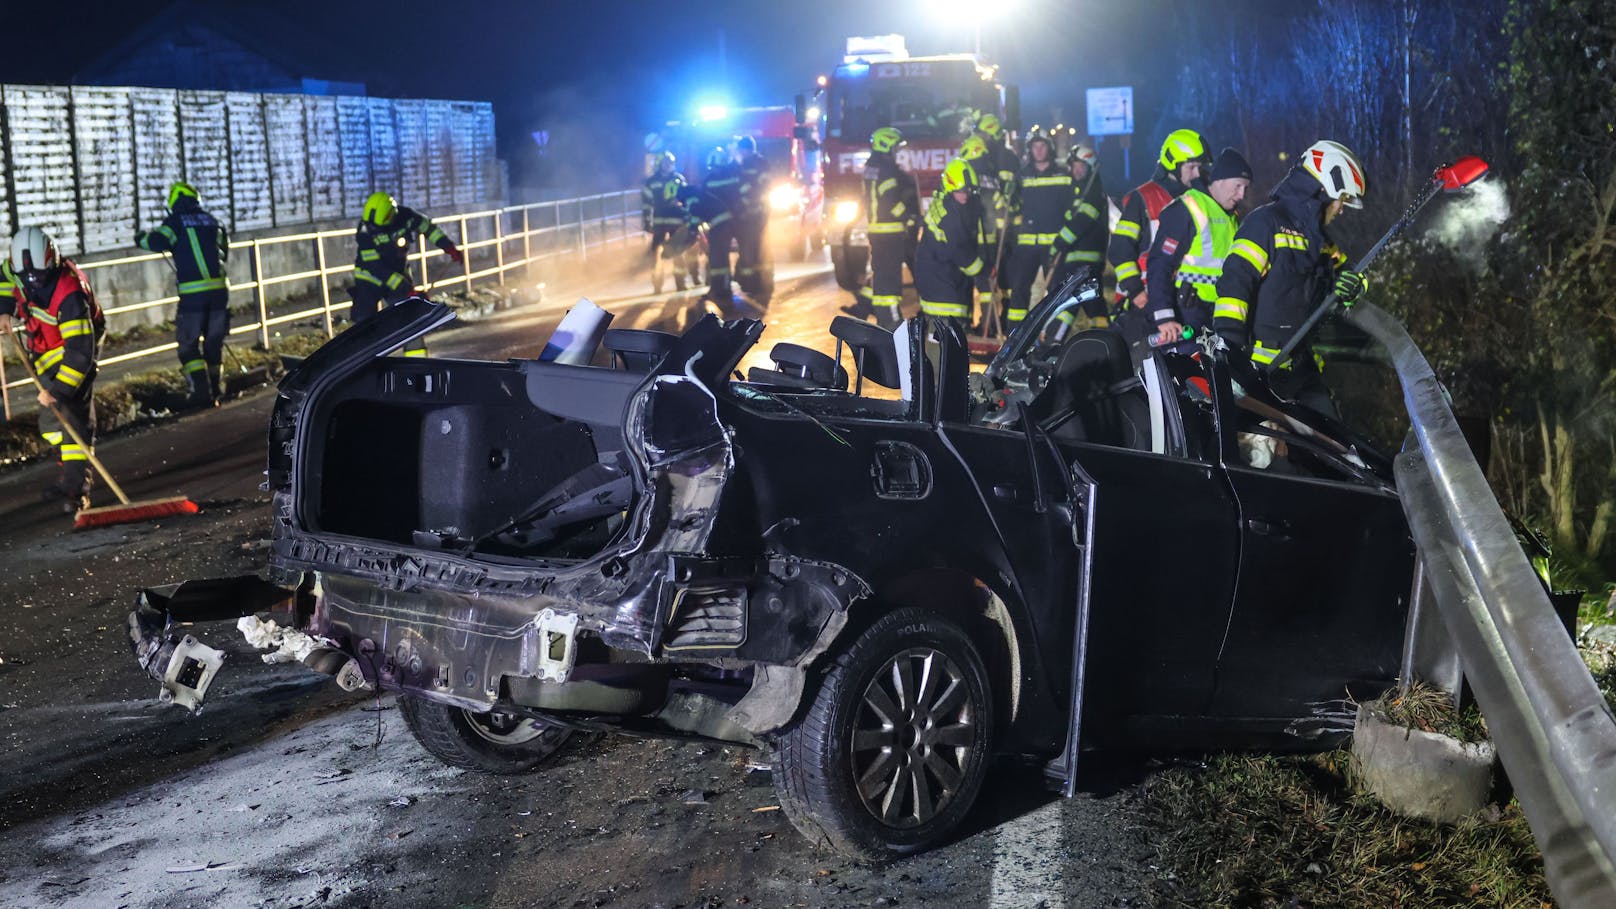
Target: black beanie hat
1231	164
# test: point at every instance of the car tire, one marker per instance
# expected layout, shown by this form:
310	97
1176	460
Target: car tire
495	743
908	709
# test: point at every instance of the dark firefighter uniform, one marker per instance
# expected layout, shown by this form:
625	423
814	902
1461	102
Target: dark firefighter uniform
717	205
1080	244
1046	194
1186	259
662	214
64	327
1280	266
381	265
754	268
892	208
200	248
948	259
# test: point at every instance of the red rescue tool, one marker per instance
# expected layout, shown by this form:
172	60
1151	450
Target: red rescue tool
1455	177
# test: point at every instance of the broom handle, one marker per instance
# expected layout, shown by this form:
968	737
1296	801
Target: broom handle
67	425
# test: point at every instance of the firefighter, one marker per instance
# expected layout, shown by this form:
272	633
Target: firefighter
1046	194
891	209
662	214
1182	156
985	175
200	248
381	266
754	267
1282	264
1079	247
1186	256
716	204
64	326
949	259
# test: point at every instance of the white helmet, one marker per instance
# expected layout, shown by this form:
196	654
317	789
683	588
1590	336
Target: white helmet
1081	152
32	251
1337	170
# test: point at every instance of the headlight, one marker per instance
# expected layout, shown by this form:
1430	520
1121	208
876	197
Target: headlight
783	197
845	212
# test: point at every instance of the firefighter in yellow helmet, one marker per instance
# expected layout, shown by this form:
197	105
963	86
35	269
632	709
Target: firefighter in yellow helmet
381	265
891	210
201	248
949	260
1183	154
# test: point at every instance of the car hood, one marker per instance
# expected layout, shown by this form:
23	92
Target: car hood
383	332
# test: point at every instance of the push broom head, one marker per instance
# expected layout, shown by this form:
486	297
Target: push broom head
129	513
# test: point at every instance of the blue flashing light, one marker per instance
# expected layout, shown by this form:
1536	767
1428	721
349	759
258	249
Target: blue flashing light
709	112
855	69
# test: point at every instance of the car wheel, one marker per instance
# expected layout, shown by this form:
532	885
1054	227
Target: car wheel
495	742
891	753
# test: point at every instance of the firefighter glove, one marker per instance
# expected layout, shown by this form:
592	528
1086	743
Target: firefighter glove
454	253
1349	286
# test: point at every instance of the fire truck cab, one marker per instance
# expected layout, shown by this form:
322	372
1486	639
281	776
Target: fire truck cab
932	100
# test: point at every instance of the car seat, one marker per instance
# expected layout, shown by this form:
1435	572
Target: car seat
1094	395
638	349
800	367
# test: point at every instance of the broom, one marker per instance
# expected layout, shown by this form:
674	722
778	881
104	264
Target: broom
125	512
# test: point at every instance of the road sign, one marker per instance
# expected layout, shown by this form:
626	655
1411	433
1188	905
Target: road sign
1110	110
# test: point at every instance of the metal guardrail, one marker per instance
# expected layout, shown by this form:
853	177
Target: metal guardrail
1553	729
520	236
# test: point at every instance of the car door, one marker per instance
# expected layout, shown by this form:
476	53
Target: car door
1325	572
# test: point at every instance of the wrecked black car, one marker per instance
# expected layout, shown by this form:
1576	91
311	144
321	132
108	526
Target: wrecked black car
882	568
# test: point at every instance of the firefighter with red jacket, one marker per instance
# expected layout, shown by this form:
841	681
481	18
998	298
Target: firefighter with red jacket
64	326
1046	192
1282	264
1182	156
891	210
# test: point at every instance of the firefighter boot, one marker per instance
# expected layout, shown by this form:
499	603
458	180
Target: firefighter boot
215	383
200	395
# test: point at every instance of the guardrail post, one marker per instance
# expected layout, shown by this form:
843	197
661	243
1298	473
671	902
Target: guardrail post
465	258
583	239
426	270
325	284
5	393
260	294
527	239
499	245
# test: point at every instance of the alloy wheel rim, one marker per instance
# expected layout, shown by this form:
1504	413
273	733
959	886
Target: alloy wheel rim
912	735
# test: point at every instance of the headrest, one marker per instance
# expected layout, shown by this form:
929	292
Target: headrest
874	349
639	349
820	370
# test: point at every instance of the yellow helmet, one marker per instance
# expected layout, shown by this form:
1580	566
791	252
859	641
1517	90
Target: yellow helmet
973	148
180	189
1182	145
379	209
958	175
885	139
990	124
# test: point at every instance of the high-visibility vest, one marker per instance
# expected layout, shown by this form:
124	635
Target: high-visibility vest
1214	235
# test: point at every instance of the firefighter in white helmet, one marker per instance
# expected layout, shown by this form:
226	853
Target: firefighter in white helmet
1283	263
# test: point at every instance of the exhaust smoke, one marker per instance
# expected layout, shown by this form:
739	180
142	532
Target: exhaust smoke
1468	221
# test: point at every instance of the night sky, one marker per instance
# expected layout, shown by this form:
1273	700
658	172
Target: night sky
607	72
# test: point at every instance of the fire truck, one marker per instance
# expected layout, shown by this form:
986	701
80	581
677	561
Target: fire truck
932	100
796	204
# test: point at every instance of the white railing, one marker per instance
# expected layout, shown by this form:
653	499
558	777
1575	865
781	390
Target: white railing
511	239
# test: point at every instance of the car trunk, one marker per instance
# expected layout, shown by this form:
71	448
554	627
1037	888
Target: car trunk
518	459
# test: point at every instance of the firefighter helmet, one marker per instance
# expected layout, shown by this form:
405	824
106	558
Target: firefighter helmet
1182	145
957	176
1084	154
746	145
33	256
972	148
379	209
718	157
885	139
990	124
1049	144
180	189
1337	170
668	159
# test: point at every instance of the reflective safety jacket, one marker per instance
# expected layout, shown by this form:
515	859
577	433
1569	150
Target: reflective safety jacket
891	201
661	204
198	243
1131	238
64	327
1007	167
754	186
948	257
383	257
719	199
1084	231
1193	236
1279	269
1045	197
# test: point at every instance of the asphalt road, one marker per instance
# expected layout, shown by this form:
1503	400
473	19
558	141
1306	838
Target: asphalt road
286	792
